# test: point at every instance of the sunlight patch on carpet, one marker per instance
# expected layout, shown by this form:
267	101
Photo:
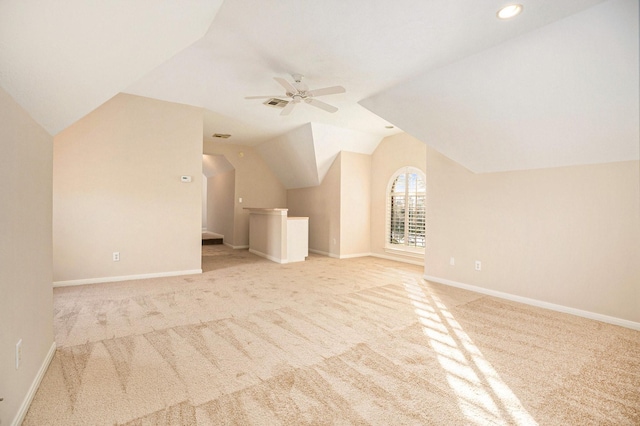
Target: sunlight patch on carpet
482	395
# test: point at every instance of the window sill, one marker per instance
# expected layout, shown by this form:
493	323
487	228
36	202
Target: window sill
404	252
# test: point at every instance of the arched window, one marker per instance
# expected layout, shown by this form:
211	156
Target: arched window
406	210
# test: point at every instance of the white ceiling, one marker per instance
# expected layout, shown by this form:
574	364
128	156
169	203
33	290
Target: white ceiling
60	60
565	94
302	157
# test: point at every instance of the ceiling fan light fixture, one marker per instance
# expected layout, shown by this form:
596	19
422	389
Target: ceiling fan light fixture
509	11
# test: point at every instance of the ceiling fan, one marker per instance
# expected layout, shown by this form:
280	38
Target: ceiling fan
298	92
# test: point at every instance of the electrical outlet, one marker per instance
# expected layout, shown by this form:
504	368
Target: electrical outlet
452	262
116	256
18	353
478	265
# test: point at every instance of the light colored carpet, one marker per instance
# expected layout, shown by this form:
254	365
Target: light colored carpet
326	341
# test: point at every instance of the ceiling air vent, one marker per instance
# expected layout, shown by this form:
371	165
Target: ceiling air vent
221	135
276	103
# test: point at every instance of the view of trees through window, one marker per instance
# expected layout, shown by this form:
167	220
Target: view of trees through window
407	210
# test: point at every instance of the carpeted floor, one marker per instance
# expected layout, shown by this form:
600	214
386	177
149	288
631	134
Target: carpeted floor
326	342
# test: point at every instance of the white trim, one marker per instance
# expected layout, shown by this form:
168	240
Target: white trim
406	170
269	212
235	247
405	251
324	253
538	303
267	256
351	256
26	402
398	259
124	278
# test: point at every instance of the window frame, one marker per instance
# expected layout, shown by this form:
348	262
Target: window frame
403	249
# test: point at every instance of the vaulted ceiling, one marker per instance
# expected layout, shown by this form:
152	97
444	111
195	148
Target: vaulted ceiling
564	94
556	85
62	59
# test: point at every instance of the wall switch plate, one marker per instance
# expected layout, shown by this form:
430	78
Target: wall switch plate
478	265
116	256
452	261
18	353
240	200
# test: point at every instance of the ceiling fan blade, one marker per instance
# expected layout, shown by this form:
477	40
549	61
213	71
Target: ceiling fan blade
262	97
288	108
322	105
333	90
287	86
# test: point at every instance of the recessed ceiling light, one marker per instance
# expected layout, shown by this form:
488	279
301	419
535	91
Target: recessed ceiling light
221	135
510	11
388	127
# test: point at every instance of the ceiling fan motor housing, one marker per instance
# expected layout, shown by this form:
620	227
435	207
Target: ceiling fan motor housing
298	92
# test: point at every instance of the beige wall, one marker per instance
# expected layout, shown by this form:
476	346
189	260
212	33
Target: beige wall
117	188
220	203
255	184
26	310
321	204
393	153
205	192
268	234
568	236
355	204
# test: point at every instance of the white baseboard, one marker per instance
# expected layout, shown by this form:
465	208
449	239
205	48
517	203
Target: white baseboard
24	407
324	253
124	278
267	256
352	256
235	247
382	256
538	303
418	262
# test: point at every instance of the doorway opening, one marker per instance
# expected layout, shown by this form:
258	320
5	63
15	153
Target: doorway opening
218	195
